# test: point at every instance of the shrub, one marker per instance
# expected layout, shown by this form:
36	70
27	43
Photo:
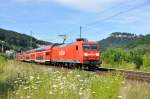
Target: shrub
146	60
115	56
138	61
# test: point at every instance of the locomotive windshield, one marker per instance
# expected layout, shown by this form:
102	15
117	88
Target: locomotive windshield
90	47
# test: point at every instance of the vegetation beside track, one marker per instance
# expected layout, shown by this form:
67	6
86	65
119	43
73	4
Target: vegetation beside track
134	90
135	59
21	80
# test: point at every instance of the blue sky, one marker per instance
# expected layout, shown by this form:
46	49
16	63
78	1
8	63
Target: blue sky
49	18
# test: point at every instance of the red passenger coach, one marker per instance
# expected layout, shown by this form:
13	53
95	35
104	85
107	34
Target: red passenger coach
43	55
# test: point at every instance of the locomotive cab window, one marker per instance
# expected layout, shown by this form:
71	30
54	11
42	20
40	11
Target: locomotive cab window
77	48
47	53
90	47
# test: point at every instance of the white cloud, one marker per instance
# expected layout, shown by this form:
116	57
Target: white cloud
88	5
83	5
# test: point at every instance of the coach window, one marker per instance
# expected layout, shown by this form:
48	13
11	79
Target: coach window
77	47
47	53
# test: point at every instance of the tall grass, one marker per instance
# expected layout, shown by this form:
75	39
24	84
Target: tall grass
27	81
3	61
135	90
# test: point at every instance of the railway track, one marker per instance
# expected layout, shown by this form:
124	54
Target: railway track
131	75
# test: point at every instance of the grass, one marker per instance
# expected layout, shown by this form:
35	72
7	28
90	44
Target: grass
28	81
135	90
126	66
19	80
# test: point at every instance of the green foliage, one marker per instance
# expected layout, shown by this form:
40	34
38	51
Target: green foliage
137	59
146	60
115	56
141	40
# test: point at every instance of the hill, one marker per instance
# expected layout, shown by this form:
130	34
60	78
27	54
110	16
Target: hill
125	40
18	41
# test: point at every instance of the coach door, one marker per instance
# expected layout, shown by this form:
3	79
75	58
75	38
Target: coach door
47	56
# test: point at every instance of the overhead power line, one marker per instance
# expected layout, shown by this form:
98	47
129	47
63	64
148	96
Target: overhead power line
117	14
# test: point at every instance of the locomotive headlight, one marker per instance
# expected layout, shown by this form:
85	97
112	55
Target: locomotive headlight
97	54
85	54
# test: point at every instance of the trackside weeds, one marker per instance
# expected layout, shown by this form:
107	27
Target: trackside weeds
37	82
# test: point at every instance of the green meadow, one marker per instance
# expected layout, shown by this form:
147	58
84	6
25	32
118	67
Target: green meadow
20	80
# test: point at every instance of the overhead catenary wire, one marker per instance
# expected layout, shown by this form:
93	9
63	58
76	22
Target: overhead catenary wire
117	14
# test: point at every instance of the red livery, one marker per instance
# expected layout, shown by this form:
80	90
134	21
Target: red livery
79	53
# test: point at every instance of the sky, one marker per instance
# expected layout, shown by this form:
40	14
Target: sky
49	18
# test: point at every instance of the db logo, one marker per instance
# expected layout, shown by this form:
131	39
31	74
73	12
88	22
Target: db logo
61	53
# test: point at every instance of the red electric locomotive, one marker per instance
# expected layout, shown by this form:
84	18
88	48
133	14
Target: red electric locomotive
81	53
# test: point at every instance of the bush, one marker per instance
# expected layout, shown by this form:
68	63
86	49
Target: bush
115	56
146	60
138	61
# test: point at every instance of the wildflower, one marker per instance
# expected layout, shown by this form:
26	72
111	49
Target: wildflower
35	88
70	72
54	86
123	82
38	82
80	93
81	80
93	92
26	88
28	97
78	75
15	82
120	97
50	92
31	77
64	78
38	78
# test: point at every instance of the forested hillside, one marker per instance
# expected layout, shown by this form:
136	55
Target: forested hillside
125	40
18	41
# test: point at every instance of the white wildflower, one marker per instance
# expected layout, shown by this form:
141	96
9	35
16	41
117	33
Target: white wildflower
78	75
26	88
38	77
15	82
80	93
50	92
28	97
81	80
54	86
70	72
120	97
64	78
31	77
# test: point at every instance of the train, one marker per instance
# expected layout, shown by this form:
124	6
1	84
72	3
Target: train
80	53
